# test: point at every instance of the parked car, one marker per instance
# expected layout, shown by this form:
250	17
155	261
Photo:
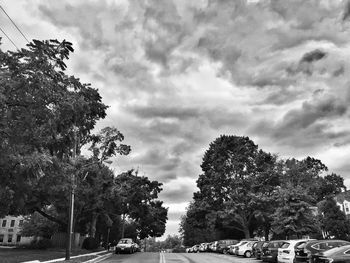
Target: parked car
125	245
232	249
195	248
286	252
222	246
245	249
334	255
256	249
211	246
204	247
304	252
270	251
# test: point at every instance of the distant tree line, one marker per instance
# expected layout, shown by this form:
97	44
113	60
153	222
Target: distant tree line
245	192
46	118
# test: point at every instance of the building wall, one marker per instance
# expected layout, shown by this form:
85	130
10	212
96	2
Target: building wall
10	227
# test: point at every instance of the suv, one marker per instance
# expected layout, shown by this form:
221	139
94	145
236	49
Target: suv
286	252
304	252
125	245
270	251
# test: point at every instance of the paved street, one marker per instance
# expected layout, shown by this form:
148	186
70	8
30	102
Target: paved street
176	258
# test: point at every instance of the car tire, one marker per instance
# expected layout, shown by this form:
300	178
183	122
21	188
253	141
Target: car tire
248	254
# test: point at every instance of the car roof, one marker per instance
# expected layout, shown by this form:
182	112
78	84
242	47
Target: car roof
296	241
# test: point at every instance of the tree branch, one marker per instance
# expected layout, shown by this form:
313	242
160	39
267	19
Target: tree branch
51	218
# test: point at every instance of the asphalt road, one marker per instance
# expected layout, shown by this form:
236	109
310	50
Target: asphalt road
177	258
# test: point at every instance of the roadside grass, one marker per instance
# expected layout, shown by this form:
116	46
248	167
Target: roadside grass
17	255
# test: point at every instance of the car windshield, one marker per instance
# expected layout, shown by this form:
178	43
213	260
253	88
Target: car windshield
301	245
285	245
265	244
124	241
335	250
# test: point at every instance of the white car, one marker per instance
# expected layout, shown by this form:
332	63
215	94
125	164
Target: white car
245	249
233	248
125	245
286	252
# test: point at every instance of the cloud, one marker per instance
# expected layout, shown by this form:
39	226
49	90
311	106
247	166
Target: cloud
179	191
177	74
313	56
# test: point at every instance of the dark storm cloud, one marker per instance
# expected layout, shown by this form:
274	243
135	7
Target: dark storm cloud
79	17
312	112
216	117
313	56
176	112
307	126
344	142
163	22
281	96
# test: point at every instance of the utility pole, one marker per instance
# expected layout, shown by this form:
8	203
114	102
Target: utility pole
71	201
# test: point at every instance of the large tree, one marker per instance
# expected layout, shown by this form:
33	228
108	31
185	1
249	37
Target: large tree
334	223
136	198
236	176
41	110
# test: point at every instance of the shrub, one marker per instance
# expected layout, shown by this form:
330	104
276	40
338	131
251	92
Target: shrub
179	250
90	243
39	244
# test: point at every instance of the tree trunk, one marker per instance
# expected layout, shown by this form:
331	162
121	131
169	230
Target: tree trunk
93	225
267	232
246	232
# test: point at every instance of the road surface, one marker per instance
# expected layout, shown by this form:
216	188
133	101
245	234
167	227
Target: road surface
177	258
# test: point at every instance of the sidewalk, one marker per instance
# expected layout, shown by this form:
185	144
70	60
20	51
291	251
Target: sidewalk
99	256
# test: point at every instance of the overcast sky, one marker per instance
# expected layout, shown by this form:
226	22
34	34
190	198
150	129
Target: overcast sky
178	74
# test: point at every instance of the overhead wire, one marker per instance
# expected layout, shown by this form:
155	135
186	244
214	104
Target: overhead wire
13	43
14	24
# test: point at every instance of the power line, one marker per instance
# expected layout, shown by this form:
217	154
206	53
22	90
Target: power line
13	43
14	24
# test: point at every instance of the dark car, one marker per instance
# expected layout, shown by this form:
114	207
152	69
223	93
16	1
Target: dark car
257	247
270	251
334	255
222	246
304	252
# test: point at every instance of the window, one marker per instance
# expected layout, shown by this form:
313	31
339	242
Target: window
9	239
1	238
12	223
3	223
20	222
285	245
10	230
18	239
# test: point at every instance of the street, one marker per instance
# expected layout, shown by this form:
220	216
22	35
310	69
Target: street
177	258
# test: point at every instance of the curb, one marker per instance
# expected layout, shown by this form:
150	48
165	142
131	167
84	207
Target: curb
78	256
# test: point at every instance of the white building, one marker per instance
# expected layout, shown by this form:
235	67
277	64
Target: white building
343	201
10	231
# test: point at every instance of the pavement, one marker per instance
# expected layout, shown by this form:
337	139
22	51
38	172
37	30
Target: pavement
101	255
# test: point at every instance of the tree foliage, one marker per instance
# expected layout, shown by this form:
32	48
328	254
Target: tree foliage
244	189
46	117
333	221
